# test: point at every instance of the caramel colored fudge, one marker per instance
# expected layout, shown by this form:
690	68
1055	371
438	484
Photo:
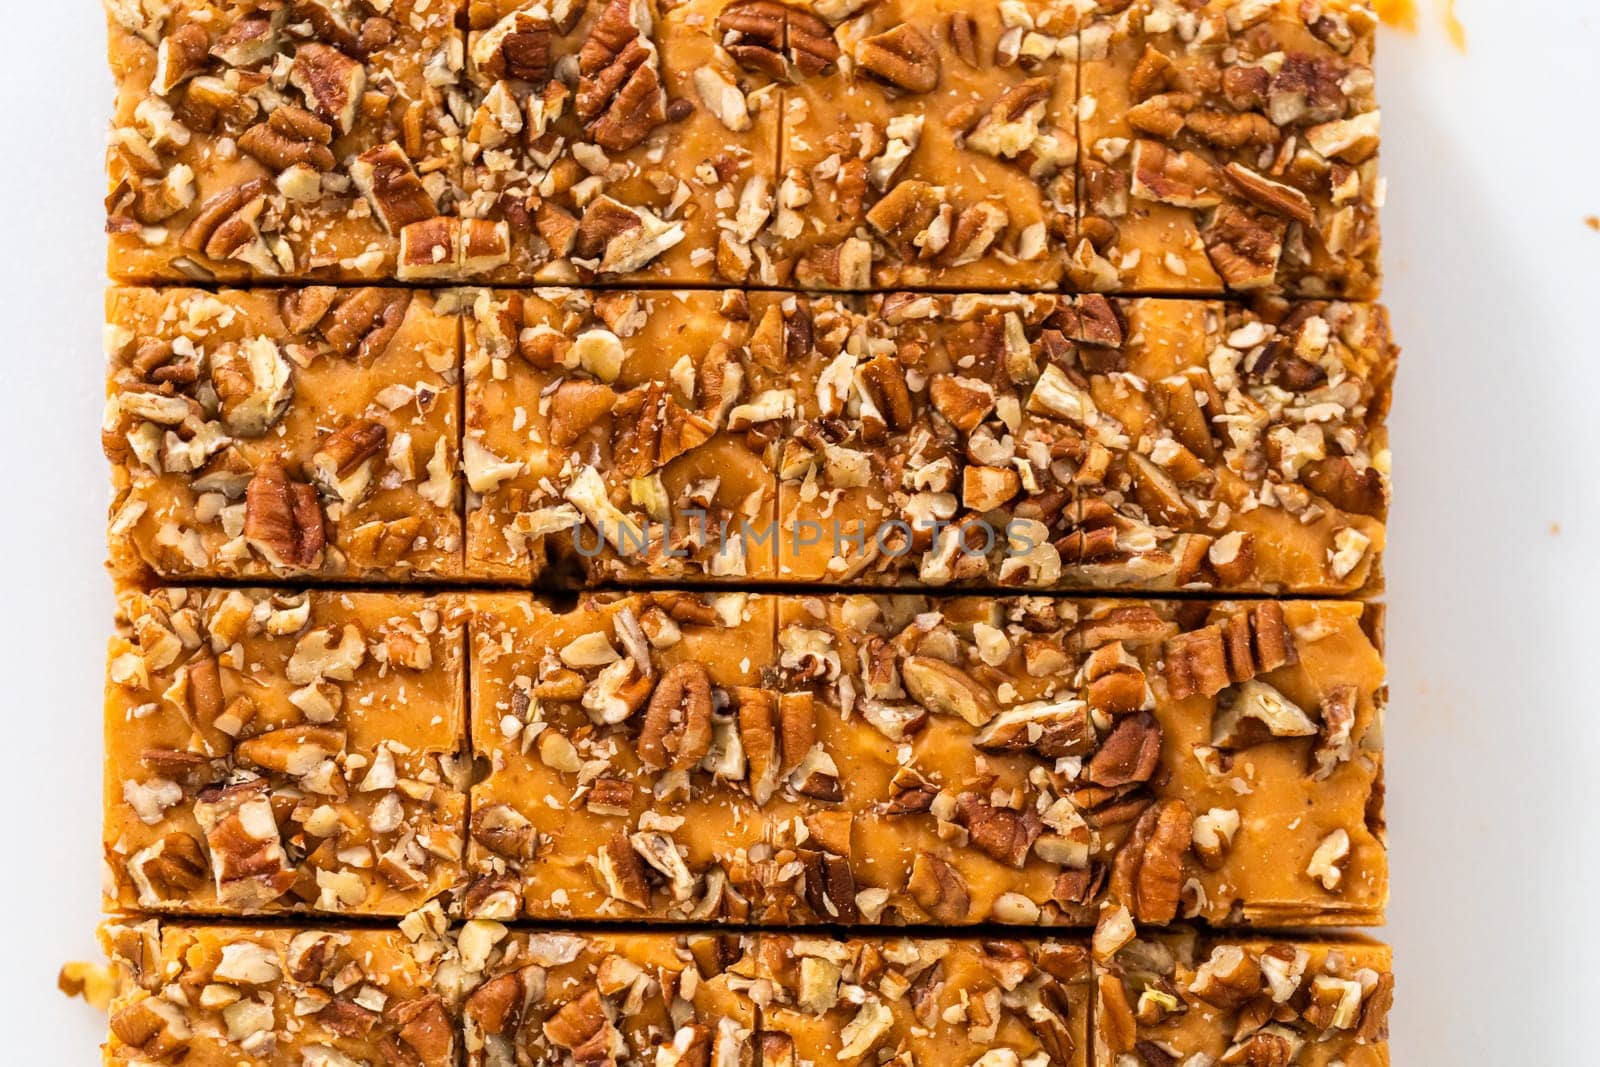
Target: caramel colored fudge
635	1000
611	140
834	1003
1184	998
1229	146
622	435
279	752
219	996
302	140
928	142
261	434
636	768
1056	442
1122	762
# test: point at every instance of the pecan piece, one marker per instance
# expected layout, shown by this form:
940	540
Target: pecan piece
938	889
425	1027
1245	248
283	518
331	81
755	35
620	95
1130	753
1003	834
677	724
290	136
1147	875
517	47
364	321
386	178
903	56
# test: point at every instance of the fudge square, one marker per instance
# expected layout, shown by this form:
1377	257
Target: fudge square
833	1002
928	144
655	998
638	766
1187	996
259	434
1229	146
623	435
274	140
612	140
1121	763
217	996
277	752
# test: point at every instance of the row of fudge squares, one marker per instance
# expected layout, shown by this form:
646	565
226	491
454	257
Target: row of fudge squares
1094	145
757	760
425	995
577	437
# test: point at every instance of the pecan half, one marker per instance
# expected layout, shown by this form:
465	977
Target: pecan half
1245	247
903	56
290	136
620	96
1147	875
677	724
1130	753
283	518
331	81
938	889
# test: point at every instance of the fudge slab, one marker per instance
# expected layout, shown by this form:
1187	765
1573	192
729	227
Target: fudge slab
622	435
928	143
549	999
217	996
616	140
303	140
834	1003
276	752
1080	762
280	434
635	768
1054	442
1229	146
1185	997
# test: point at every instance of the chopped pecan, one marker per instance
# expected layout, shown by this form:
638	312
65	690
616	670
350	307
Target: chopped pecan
1147	875
1130	753
677	725
331	81
945	689
1359	492
1001	833
225	227
363	322
620	96
1274	196
1228	979
174	867
1115	1022
517	47
385	176
961	33
938	889
830	886
1335	743
884	379
497	1006
290	136
655	430
964	402
576	405
503	830
1052	730
579	1024
425	1026
754	34
903	56
283	518
347	448
1244	247
181	55
621	872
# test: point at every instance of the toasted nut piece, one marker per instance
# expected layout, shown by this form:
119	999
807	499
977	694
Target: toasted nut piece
903	57
945	689
677	726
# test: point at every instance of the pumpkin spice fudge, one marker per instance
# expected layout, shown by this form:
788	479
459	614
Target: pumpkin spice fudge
1183	997
216	996
615	140
1229	146
282	434
303	140
550	998
1056	442
635	767
1111	763
273	753
832	1003
928	143
621	435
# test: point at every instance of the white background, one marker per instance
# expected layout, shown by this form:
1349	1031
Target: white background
1494	723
